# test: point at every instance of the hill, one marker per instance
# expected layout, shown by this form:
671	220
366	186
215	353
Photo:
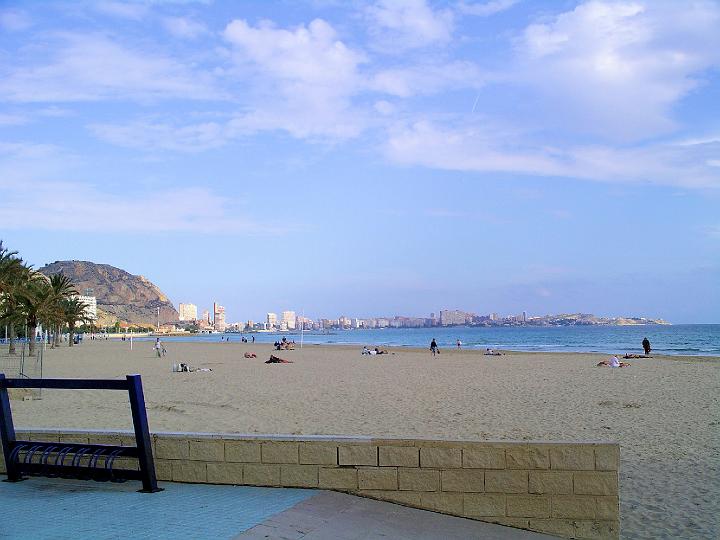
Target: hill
121	296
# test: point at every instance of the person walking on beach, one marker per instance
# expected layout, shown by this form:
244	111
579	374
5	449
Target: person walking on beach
459	343
434	348
159	349
646	346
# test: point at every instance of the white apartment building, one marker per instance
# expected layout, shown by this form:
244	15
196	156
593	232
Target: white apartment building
188	312
90	306
271	320
289	320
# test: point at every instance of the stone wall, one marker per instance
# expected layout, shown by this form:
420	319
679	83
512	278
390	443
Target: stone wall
566	489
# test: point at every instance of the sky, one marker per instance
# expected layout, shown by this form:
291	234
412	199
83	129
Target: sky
372	158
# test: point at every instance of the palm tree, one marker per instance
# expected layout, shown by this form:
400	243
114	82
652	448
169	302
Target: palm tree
35	300
13	274
73	312
63	289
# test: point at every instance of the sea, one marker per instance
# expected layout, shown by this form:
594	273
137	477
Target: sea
680	339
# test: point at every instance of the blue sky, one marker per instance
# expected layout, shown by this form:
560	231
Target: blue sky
372	158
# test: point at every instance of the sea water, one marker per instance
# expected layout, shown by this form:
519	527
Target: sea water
681	339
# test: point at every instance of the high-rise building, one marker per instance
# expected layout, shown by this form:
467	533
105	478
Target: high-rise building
219	317
271	320
524	316
452	317
288	320
188	312
90	302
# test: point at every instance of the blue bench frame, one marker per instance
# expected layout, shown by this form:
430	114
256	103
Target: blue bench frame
89	461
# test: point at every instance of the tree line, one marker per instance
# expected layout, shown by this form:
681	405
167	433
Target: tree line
29	299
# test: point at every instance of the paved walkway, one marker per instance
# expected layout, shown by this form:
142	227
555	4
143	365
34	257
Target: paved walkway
41	508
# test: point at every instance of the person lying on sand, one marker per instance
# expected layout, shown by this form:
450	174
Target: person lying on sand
380	351
490	352
636	356
275	360
250	355
613	362
187	368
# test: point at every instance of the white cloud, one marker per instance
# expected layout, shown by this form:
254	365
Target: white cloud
427	79
14	20
617	68
490	150
399	25
183	27
150	136
94	67
486	9
73	206
13	119
301	80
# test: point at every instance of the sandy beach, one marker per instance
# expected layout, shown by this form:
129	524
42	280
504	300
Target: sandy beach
664	411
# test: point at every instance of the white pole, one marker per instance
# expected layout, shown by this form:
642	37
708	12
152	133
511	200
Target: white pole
302	328
131	333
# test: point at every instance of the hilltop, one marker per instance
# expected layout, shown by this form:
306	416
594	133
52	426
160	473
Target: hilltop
121	296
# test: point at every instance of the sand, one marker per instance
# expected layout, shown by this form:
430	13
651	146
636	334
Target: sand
664	411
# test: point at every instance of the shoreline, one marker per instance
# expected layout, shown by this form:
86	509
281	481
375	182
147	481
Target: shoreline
477	349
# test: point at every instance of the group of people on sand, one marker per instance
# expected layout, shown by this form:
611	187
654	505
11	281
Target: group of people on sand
434	349
284	345
374	351
614	361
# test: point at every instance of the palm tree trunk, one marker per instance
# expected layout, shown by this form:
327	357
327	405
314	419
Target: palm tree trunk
32	328
70	334
11	348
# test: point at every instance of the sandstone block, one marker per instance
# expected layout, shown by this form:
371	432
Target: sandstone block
163	470
279	452
378	478
358	455
573	507
572	458
607	508
194	472
418	480
506	481
483	458
207	450
447	503
527	457
407	498
483	505
299	475
441	458
172	449
242	452
463	480
312	453
340	478
255	474
558	527
71	438
607	458
225	473
399	456
595	483
529	506
105	439
550	482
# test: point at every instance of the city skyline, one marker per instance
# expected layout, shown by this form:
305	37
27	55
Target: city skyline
379	157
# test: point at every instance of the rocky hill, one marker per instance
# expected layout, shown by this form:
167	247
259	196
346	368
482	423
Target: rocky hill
120	295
